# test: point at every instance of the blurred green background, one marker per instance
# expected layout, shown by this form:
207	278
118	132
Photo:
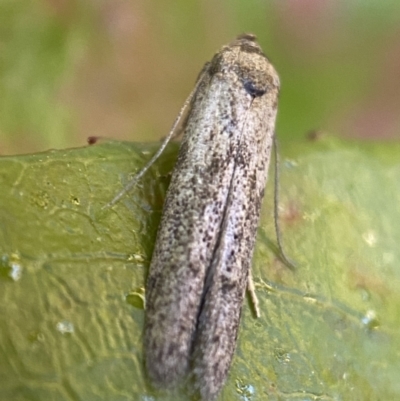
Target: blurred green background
122	69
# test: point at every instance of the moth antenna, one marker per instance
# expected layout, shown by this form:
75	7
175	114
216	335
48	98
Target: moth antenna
164	143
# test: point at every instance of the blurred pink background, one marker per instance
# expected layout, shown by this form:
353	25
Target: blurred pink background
122	69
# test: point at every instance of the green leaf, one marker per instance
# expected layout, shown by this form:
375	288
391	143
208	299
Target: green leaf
72	276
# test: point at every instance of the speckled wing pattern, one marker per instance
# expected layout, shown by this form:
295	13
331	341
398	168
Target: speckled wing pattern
200	265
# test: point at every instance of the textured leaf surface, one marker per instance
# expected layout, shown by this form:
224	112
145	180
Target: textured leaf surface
72	276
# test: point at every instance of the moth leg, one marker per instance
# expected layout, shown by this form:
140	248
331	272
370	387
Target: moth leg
253	295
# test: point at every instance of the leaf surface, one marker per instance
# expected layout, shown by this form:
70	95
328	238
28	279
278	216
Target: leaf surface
72	276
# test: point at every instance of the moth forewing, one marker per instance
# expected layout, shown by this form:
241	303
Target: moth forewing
200	265
227	277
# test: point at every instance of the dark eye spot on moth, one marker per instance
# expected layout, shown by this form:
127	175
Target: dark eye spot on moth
252	89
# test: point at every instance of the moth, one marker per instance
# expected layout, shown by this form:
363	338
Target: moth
202	257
